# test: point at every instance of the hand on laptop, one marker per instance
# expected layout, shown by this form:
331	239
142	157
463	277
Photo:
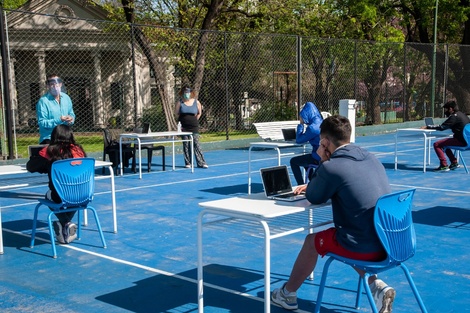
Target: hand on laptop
300	189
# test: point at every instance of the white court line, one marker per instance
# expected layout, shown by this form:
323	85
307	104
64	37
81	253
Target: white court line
150	269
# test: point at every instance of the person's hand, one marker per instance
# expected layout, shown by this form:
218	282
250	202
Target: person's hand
424	127
300	189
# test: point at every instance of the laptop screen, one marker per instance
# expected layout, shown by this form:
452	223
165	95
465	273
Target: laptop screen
289	134
33	150
275	180
428	121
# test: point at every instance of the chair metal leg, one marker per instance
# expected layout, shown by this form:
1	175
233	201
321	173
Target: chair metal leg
322	284
98	225
359	292
413	288
51	233
33	232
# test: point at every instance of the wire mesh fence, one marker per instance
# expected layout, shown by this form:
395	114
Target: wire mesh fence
121	75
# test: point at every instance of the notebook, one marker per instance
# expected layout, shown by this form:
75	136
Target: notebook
33	150
277	185
289	134
428	121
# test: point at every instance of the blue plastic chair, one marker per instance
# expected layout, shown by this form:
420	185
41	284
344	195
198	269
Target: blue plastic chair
394	227
74	180
458	150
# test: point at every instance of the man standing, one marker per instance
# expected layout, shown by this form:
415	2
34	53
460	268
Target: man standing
455	121
53	108
354	180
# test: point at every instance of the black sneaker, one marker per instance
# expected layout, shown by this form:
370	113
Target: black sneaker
454	166
442	168
58	232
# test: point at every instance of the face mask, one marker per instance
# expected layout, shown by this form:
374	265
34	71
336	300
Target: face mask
55	90
187	95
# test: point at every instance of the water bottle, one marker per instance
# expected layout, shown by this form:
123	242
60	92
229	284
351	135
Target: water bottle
179	127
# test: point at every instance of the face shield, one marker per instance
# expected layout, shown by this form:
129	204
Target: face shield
54	85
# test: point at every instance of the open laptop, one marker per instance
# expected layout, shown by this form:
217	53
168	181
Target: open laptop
146	128
33	150
289	134
428	121
277	185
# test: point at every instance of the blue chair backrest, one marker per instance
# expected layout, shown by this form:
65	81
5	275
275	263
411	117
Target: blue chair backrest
466	134
394	225
74	180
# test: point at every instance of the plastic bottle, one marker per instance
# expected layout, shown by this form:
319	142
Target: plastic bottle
179	127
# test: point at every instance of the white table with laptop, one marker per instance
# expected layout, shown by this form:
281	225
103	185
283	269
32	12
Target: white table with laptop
277	214
427	134
155	138
20	169
288	142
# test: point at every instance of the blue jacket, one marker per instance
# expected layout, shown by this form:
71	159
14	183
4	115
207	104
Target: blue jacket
311	130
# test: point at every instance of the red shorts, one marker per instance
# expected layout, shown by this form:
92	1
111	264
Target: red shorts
325	241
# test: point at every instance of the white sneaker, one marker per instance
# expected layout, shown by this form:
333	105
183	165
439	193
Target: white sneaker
287	300
383	296
70	232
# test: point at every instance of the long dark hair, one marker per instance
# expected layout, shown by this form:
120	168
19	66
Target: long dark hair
62	142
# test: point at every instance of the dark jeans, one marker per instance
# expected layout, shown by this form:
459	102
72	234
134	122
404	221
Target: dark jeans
301	161
440	145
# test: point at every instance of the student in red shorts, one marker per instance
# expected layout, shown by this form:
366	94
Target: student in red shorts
354	180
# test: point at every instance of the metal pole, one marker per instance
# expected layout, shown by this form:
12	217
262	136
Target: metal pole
299	73
433	78
6	86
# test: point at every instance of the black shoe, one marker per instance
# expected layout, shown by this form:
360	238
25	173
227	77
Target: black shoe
442	168
454	166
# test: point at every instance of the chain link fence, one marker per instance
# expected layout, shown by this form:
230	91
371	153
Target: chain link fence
120	76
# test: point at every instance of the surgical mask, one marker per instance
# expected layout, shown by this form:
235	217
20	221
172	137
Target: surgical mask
187	95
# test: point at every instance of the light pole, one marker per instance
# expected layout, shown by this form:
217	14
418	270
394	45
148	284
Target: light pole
433	75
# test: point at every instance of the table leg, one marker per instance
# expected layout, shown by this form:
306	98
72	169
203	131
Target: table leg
113	198
1	233
425	152
278	156
192	153
249	170
396	148
140	157
120	155
200	282
267	267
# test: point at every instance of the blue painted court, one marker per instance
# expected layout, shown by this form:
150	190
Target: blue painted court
150	263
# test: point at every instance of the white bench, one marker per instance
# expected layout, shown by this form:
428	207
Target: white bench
272	131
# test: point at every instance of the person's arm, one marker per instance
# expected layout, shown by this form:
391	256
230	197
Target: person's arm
199	110
70	117
42	112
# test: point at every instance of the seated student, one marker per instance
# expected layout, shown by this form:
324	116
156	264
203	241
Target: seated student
455	121
354	179
62	146
307	130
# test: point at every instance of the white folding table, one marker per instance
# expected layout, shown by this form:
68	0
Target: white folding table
295	217
155	138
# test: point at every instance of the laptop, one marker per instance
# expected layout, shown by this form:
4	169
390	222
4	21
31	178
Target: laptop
289	134
33	150
277	185
428	121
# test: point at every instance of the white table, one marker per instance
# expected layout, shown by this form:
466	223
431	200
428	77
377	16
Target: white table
20	169
275	145
155	138
427	134
256	208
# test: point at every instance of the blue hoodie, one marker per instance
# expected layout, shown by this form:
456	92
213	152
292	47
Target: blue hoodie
311	131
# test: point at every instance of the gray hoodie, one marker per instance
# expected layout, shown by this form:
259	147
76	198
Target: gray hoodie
353	179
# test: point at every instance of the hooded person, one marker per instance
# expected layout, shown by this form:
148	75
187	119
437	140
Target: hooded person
307	131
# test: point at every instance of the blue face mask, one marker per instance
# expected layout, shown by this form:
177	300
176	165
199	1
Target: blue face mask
187	95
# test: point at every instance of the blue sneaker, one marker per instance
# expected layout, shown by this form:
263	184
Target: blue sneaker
287	300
